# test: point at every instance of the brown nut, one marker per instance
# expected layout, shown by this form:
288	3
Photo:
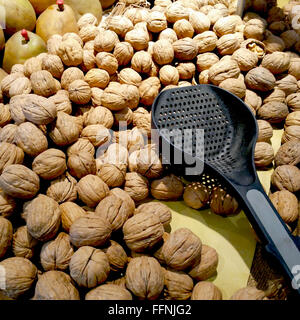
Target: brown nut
286	177
63	188
196	195
223	203
53	44
43	83
163	52
185	49
159	209
23	244
227	44
80	92
260	79
149	90
248	293
7	82
274	112
294	68
144	287
206	60
107	61
235	86
273	43
89	267
293	119
10	154
62	101
55	285
254	29
81	164
205	290
106	41
20	274
288	84
176	11
186	70
136	186
222	70
156	22
183	29
21	85
6	234
90	231
167	188
56	254
288	153
276	62
108	292
245	58
199	21
265	131
97	78
116	255
206	41
53	64
291	133
168	34
7	205
168	75
141	62
263	154
70	75
123	52
182	249
70	211
19	182
5	116
70	52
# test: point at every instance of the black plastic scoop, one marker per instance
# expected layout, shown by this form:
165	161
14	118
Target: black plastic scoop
230	134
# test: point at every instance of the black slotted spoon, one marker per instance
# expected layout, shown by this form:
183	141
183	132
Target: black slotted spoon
230	134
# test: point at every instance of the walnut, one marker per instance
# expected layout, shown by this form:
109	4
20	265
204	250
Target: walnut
225	25
141	62
234	86
97	134
130	76
136	14
275	96
64	130
70	75
273	43
87	18
168	75
265	131
291	133
53	64
148	90
222	70
88	61
222	203
90	231
227	44
108	62
168	188
8	81
43	218
89	267
149	287
81	164
20	274
293	119
159	209
260	79
274	112
248	293
88	32
206	60
53	44
205	290
216	13
163	52
116	255
255	46
292	100
120	24
99	115
288	153
18	181
254	29
108	292
263	154
183	29
6	234
123	52
182	249
5	116
185	49
70	52
8	132
80	92
294	67
96	96
156	21
56	254
176	11
63	188
23	244
245	58
106	41
17	68
288	84
204	77
177	285
72	36
21	85
10	154
62	101
277	62
70	211
186	70
199	21
196	195
97	78
286	177
168	34
55	285
290	38
7	205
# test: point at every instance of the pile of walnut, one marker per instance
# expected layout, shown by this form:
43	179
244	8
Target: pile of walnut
69	184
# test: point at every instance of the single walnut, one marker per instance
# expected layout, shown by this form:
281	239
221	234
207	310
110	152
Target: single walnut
156	21
116	255
290	38
6	234
263	154
248	293
20	182
72	36
7	205
254	29
149	90
53	64
53	44
21	85
265	131
108	62
89	267
80	92
88	32
5	116
255	46
206	60
286	177
50	164
273	43
168	75
260	79
97	78
227	44
222	203
206	41
288	153
16	68
23	244
99	115
136	186
205	290
90	231
108	292
276	95
286	203
159	209
129	76
20	274
168	34
274	112
64	130
163	52
294	68
8	81
222	70
144	287
142	231
204	77
141	62
185	49
10	154
235	86
226	25
245	58
106	41
88	60
167	188
182	249
123	52
276	62
196	195
70	211
70	75
120	25
291	133
96	96
56	254
199	21
142	121
175	12
55	285
87	18
183	29
81	164
62	101
43	218
43	83
186	70
70	52
97	134
288	84
293	119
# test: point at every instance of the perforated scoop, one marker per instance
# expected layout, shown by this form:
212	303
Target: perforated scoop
230	134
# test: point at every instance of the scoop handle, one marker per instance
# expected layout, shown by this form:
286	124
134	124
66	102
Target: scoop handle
266	220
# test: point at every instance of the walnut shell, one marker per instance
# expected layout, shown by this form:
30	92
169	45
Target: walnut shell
205	290
70	211
222	203
245	58
108	292
248	293
163	52
88	32
235	86
185	49
106	41
294	68
23	244
70	75
223	70
116	255
130	76
8	81
263	154
87	18
70	52
176	11
156	22
167	188
273	43
274	112
72	36
178	285
206	60
89	267
80	92
5	116
97	78
62	101
183	29
56	254
53	44
168	34
123	52
141	62
90	231
255	46
290	38
10	154
288	153
288	84
55	285
145	278
182	249
199	21
291	133
292	100
159	209
286	177
20	274
136	186
196	195
254	29
276	62
148	90
227	44
108	62
168	75
43	83
265	131
81	164
206	41
43	218
21	85
186	70
6	234
53	64
19	182
7	205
